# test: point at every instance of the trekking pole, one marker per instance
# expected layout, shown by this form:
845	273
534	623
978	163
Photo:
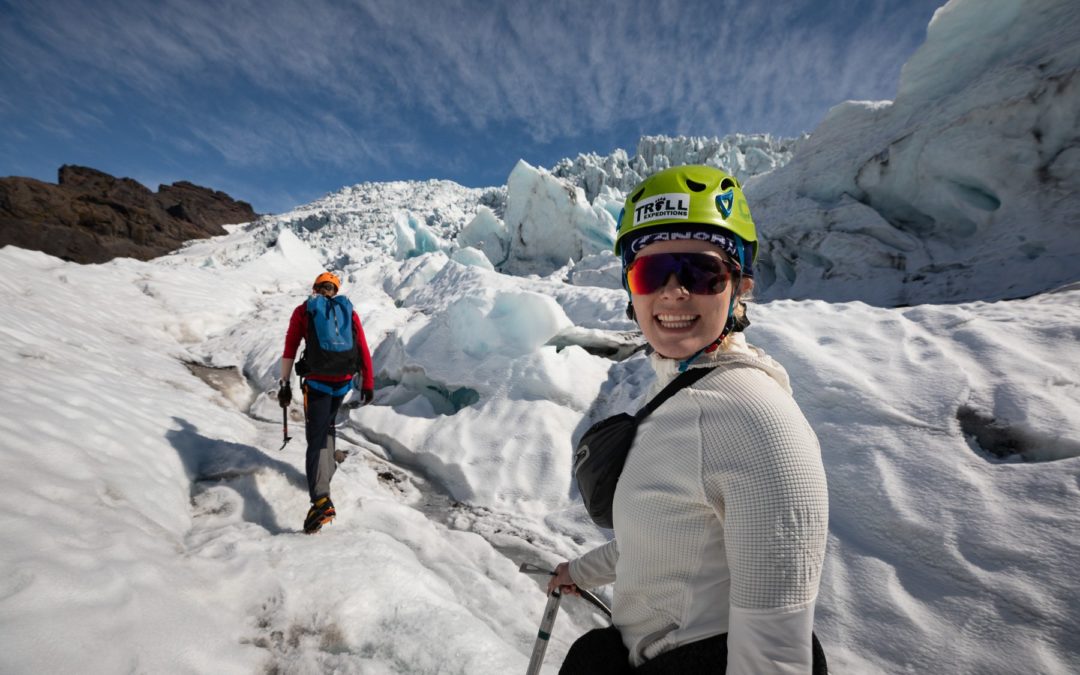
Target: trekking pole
591	598
544	634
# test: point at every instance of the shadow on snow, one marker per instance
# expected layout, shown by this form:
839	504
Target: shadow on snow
211	461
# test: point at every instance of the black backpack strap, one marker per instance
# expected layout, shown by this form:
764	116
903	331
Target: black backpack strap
685	379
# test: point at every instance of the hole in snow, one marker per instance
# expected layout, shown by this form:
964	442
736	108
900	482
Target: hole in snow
997	438
616	346
227	380
415	386
977	196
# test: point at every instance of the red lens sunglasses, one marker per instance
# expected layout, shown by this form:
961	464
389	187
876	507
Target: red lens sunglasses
699	273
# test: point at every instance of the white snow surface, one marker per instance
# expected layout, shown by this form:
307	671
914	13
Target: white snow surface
147	506
150	518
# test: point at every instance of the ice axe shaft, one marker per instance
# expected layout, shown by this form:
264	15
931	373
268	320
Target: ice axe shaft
544	634
284	428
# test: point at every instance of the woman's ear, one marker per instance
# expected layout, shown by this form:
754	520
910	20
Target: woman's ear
746	285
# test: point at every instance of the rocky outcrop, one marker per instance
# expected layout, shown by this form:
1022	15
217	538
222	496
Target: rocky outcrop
92	217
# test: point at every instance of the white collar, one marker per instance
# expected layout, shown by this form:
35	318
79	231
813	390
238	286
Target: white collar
734	350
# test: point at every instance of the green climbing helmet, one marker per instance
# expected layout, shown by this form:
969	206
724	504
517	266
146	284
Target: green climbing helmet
687	195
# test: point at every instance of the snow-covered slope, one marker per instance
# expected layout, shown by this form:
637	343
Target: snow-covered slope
147	504
966	186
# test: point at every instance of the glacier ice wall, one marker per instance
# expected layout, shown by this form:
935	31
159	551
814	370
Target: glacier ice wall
965	187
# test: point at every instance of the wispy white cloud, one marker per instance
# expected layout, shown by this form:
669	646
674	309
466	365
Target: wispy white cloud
264	81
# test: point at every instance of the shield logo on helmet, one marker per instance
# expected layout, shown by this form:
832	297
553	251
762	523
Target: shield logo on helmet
724	202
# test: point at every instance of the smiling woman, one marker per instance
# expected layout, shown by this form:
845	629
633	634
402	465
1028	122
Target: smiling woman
721	509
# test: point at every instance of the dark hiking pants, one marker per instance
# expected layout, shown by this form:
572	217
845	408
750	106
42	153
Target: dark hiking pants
602	652
320	409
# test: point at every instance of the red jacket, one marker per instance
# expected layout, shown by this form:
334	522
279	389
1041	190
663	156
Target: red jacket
298	325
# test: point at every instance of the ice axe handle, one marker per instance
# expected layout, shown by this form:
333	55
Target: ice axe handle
285	428
544	634
591	598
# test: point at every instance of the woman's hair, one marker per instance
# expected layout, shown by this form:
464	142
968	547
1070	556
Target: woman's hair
742	322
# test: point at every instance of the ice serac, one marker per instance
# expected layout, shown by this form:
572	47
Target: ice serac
472	256
471	391
965	187
413	238
537	224
362	222
550	222
486	233
743	155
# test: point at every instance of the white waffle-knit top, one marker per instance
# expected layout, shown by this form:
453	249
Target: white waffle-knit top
720	519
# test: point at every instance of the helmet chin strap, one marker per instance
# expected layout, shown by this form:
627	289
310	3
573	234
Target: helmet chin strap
685	363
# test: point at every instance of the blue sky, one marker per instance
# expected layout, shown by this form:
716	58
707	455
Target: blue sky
279	103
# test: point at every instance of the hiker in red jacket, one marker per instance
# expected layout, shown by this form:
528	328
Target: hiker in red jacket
335	360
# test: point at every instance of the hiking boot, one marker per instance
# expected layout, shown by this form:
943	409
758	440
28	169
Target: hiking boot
320	513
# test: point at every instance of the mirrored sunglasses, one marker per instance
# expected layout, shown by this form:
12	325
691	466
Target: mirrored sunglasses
699	273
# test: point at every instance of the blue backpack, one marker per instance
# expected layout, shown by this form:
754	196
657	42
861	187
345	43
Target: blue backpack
330	345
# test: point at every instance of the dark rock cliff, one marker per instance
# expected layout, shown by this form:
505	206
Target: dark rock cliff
92	217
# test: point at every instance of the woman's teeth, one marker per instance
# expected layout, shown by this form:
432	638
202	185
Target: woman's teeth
675	320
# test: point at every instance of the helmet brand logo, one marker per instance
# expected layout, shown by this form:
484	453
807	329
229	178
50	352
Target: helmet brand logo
675	205
724	202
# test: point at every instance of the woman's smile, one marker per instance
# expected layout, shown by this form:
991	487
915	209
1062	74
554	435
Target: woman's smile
676	321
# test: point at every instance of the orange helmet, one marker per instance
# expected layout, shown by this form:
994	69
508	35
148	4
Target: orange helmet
327	276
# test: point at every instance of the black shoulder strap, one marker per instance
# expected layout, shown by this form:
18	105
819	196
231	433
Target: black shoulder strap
685	379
